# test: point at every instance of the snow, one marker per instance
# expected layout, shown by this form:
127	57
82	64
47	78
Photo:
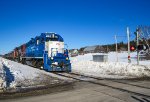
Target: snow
2	76
16	74
84	64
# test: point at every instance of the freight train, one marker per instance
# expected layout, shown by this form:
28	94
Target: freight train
46	51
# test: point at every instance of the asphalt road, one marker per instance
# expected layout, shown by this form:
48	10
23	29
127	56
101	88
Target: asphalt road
97	91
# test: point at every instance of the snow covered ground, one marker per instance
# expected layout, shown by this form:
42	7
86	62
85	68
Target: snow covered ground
84	64
13	74
2	76
18	75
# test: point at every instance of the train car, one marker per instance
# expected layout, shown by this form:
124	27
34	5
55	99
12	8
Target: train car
16	54
9	55
47	52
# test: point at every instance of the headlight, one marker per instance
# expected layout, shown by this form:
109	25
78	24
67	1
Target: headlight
52	58
67	58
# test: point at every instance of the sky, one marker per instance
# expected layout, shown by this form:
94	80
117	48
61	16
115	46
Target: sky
80	22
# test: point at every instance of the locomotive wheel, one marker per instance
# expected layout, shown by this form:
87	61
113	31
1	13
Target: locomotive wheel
33	62
23	61
39	64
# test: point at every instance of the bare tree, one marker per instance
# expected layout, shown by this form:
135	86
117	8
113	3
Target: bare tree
144	34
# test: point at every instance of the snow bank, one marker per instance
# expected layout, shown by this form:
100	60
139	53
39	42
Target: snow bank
2	75
16	72
111	69
19	75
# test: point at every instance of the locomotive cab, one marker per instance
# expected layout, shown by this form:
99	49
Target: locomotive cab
54	45
55	55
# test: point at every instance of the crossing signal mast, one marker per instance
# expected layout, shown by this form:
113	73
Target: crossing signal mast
137	44
128	36
139	47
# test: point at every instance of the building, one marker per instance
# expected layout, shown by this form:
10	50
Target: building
94	49
73	52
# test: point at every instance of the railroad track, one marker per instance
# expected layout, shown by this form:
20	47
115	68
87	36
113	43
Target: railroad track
108	83
113	84
124	87
115	80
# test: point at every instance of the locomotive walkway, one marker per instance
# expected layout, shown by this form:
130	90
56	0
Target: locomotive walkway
89	89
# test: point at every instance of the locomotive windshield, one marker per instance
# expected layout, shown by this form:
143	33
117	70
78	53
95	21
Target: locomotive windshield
54	38
51	39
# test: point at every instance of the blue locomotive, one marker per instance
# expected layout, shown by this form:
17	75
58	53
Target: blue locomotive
46	51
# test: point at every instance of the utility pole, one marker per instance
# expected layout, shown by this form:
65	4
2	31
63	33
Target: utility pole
128	36
137	44
116	48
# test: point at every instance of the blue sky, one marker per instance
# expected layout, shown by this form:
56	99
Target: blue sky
80	22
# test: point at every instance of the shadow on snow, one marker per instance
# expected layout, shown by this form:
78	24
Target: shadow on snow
9	77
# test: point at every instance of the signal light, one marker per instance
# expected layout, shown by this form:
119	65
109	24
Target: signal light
142	47
132	48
